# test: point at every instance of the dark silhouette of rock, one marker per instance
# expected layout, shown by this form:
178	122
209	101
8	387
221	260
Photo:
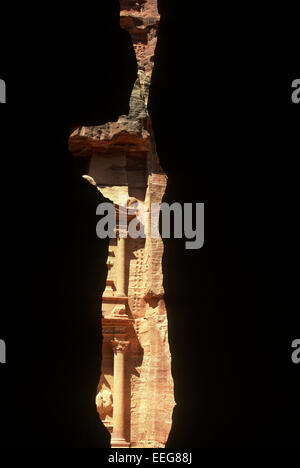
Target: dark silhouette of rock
62	72
226	134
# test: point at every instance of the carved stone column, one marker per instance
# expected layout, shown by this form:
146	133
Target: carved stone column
121	266
118	435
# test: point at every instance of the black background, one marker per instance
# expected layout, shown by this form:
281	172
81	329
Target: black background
227	134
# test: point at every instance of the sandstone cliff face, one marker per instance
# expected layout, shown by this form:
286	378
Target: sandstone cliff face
120	158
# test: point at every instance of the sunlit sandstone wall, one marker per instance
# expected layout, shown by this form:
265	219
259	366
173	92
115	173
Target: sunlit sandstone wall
121	159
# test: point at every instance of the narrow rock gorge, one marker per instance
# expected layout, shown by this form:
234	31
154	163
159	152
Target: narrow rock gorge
135	396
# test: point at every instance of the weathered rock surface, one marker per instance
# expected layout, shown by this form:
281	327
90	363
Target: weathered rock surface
141	19
120	158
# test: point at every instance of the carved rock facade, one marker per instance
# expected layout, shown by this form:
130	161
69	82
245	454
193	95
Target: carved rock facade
135	394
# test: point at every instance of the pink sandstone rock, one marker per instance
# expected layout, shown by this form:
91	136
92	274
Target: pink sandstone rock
121	159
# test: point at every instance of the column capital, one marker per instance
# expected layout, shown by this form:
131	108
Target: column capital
119	346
